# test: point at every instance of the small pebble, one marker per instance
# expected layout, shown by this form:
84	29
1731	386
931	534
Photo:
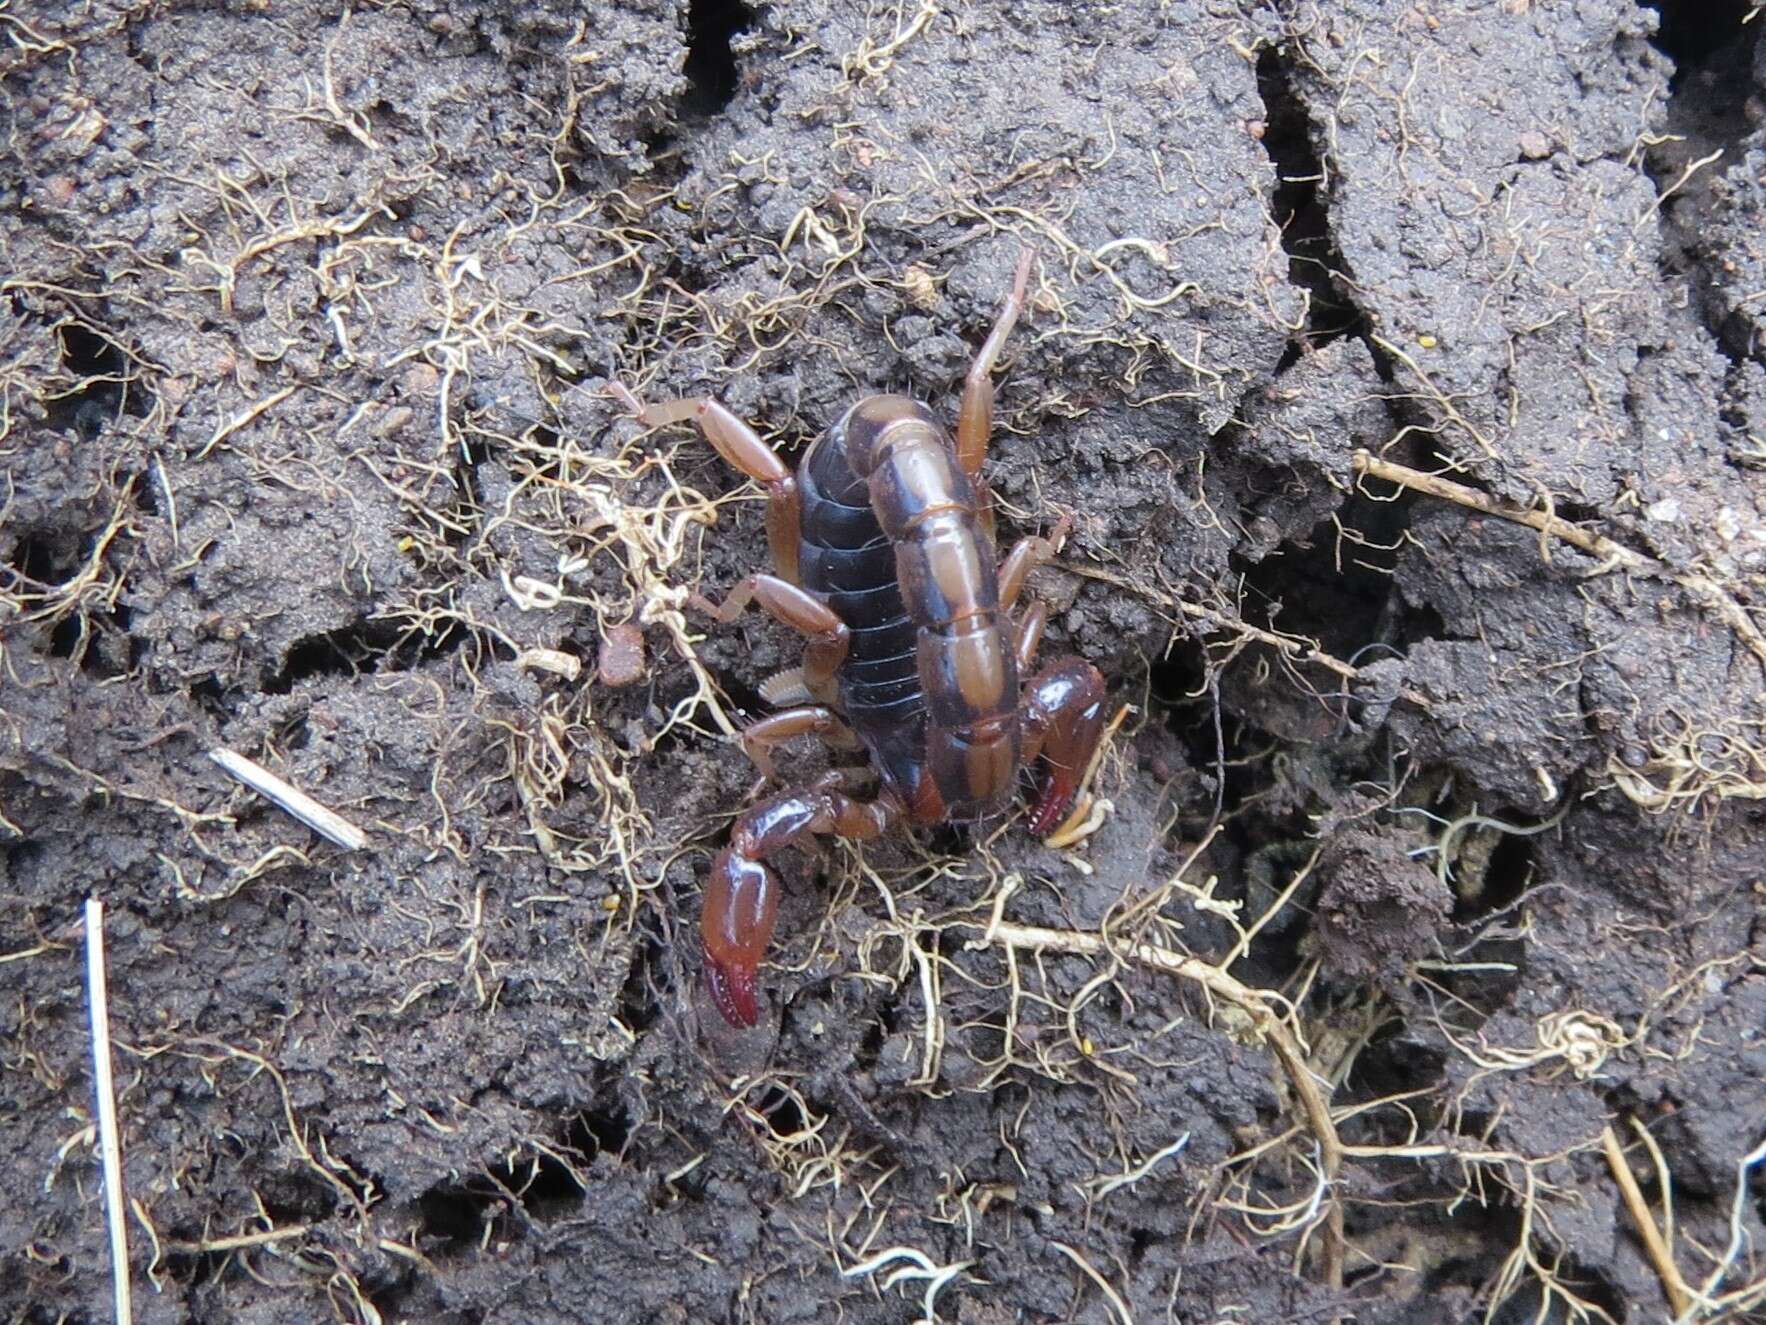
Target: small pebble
921	287
393	420
622	656
421	381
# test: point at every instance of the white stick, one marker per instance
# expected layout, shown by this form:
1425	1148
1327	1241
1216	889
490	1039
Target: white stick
110	1148
327	823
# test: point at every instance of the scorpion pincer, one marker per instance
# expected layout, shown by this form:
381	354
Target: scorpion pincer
883	557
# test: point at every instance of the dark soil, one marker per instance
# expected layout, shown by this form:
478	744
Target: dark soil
306	317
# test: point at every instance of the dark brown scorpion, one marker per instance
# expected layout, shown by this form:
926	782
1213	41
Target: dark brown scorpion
883	552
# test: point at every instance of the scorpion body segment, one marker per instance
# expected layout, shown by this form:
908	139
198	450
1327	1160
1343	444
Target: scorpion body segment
882	544
892	542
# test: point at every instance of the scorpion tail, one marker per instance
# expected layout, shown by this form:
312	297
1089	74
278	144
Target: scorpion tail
741	907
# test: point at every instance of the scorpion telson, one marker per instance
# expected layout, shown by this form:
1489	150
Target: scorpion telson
883	557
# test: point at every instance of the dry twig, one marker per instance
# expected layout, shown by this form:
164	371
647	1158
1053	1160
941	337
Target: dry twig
1702	587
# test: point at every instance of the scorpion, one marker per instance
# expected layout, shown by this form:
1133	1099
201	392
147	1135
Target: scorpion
882	546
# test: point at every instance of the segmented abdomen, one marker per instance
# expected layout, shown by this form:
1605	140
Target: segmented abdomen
891	537
846	557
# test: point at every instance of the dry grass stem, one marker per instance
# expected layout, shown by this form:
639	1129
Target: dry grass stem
1091	1272
110	1146
330	825
555	661
1293	647
244	419
239	1241
1654	1244
1751	1296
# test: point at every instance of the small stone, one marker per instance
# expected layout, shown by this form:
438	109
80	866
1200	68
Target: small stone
58	190
393	420
421	381
622	655
1728	524
1535	146
1666	511
920	287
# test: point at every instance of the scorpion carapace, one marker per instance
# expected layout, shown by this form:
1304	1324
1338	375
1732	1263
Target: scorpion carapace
883	553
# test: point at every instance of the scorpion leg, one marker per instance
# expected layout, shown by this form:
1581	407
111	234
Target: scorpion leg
741	446
1030	635
1026	555
1063	723
829	638
742	896
975	418
760	739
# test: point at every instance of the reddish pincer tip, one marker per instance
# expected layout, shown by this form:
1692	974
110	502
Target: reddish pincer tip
1054	802
732	988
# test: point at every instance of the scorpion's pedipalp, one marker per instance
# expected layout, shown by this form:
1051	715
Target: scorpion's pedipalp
742	895
1063	723
741	907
